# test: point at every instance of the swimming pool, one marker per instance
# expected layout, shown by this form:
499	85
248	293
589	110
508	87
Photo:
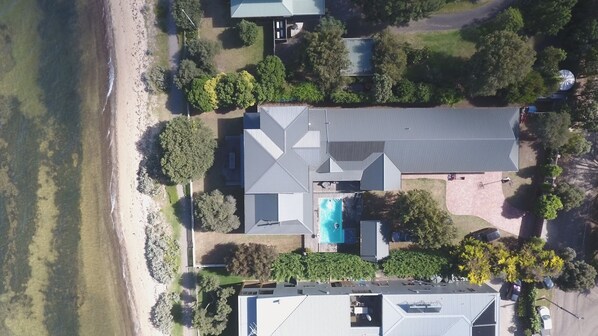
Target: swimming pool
331	221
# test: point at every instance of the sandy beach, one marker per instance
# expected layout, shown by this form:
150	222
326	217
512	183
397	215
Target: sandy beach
131	119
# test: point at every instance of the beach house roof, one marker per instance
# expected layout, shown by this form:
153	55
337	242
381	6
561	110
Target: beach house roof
369	308
288	148
275	8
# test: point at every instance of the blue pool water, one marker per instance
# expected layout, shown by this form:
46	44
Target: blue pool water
331	221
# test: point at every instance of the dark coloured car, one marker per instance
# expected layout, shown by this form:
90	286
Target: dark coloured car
514	291
547	282
486	235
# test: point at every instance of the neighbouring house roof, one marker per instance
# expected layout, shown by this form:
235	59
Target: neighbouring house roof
275	8
372	247
288	148
360	55
397	308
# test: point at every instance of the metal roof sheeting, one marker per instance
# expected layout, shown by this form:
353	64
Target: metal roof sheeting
275	8
372	245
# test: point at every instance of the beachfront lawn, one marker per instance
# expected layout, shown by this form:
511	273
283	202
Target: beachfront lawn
218	26
461	6
463	224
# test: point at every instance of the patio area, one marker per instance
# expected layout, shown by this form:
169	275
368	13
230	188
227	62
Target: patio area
480	195
351	214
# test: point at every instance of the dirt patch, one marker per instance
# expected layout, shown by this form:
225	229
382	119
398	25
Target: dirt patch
214	248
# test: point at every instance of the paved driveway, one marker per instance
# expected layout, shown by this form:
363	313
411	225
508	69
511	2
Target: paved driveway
507	323
480	195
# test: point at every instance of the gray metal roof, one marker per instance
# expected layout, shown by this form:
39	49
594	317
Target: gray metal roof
295	146
373	247
275	8
458	309
360	56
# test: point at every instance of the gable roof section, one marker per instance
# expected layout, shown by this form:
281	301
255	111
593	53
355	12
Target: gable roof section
275	8
278	214
283	316
382	174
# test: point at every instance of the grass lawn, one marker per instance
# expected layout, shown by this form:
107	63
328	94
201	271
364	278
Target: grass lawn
223	275
461	6
449	42
463	224
219	27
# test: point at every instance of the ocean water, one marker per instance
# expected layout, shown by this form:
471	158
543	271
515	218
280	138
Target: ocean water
60	271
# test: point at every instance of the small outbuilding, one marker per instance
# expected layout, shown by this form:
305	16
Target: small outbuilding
360	54
373	246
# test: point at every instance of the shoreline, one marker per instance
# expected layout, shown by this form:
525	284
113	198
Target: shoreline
129	117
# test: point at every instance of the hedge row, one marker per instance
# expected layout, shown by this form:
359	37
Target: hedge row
322	267
415	264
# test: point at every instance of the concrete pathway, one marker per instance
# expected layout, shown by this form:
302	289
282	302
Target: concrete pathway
480	195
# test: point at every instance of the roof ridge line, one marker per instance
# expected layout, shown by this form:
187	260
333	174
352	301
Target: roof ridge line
291	313
288	172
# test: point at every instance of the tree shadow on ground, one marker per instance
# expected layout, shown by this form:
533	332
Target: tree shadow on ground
162	12
378	206
523	198
148	146
230	39
219	254
181	212
218	11
511	212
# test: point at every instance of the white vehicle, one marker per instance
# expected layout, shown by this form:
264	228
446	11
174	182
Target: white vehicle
545	316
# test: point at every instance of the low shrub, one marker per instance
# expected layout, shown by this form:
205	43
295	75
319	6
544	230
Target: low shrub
552	170
347	97
247	32
161	313
161	250
322	267
422	264
307	93
157	79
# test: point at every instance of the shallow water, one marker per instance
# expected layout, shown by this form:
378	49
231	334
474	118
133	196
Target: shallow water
59	265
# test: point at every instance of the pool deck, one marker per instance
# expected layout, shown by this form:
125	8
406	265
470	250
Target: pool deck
313	243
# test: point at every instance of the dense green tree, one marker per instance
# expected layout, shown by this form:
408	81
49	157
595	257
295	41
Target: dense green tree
577	276
570	195
207	282
577	145
161	313
288	266
568	254
588	64
421	215
247	31
187	72
382	90
536	262
270	75
307	93
548	63
326	54
586	112
199	97
235	90
552	170
216	212
548	206
547	16
404	91
423	92
419	264
211	318
388	57
510	19
398	12
342	96
553	129
158	79
502	58
528	90
203	52
252	260
187	149
475	260
187	14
